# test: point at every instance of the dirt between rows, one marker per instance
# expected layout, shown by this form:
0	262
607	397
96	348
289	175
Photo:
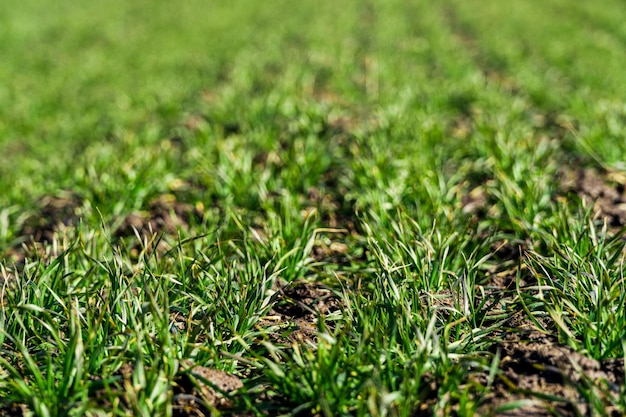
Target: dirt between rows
551	378
604	189
543	377
538	376
164	215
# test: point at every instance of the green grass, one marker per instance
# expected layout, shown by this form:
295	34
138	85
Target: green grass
406	156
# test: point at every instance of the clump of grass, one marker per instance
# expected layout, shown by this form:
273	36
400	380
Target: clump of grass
581	285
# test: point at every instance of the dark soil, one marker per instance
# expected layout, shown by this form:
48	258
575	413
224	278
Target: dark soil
603	189
53	214
199	389
13	410
551	378
298	308
165	215
537	376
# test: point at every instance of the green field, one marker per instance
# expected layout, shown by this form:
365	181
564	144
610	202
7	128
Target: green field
368	208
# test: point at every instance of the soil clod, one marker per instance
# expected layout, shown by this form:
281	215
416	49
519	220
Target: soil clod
200	389
603	189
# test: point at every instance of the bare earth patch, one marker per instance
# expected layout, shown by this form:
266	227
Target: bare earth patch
540	377
196	389
297	311
165	215
53	214
605	190
199	389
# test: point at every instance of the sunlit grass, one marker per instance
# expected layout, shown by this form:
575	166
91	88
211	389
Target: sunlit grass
403	156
